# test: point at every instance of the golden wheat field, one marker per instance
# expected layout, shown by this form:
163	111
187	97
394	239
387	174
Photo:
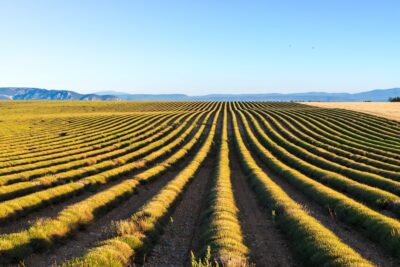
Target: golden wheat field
197	184
389	110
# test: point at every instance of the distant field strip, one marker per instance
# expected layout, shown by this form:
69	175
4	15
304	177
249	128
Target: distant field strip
387	110
105	184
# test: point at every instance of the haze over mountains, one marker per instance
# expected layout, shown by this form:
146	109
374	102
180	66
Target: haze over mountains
21	93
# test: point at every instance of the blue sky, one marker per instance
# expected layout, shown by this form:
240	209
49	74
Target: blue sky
200	47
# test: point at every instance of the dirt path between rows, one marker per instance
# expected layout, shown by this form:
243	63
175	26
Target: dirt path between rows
267	245
53	209
174	246
83	240
365	247
385	212
182	234
80	241
50	211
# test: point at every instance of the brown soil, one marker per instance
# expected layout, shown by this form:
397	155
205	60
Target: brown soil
174	246
387	213
21	223
267	245
351	237
182	234
96	231
348	235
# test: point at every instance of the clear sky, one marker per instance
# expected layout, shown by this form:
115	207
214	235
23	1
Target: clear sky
200	47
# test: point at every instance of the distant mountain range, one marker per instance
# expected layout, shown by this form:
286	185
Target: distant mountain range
374	95
20	93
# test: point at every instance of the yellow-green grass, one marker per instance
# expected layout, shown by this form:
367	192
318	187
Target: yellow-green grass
321	127
58	140
306	139
120	140
344	161
109	153
335	141
379	228
92	166
135	234
282	133
54	151
221	226
43	234
331	173
354	133
118	157
23	205
314	244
